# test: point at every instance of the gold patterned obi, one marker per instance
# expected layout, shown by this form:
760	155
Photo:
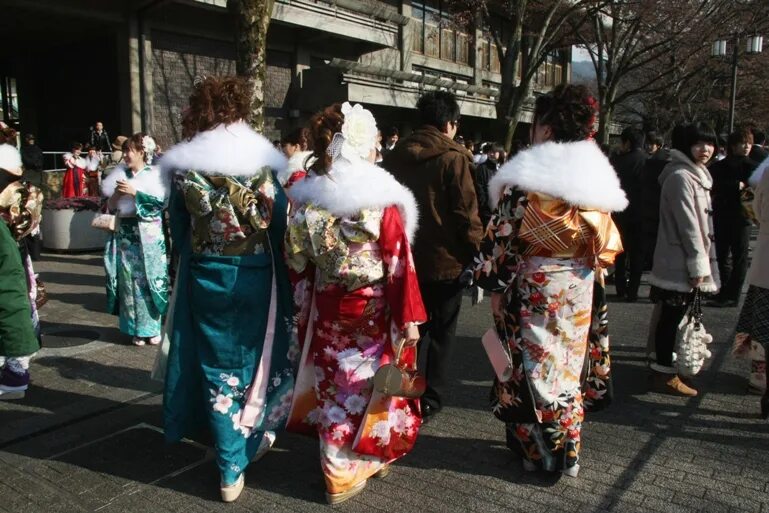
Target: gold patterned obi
229	215
553	228
21	206
345	249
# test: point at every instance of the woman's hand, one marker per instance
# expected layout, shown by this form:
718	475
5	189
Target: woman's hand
411	335
696	281
126	188
498	305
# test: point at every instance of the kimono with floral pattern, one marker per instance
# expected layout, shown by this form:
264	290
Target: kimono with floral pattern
21	207
230	336
355	288
544	254
136	267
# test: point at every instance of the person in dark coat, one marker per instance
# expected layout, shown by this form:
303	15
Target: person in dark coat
31	154
99	138
483	174
629	165
731	224
438	170
650	195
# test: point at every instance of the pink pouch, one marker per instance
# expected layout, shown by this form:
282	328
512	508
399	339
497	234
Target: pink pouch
498	355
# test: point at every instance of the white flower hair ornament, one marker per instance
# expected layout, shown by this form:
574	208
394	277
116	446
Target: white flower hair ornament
149	146
358	135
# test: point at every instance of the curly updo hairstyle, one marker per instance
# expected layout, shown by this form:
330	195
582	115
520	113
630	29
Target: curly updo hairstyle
136	143
323	126
570	112
215	101
7	135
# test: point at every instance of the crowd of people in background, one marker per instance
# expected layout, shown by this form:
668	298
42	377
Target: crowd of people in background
308	263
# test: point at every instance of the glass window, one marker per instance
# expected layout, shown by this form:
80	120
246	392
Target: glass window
435	34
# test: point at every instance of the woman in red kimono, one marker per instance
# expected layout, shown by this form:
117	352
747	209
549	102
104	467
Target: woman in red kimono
358	299
75	176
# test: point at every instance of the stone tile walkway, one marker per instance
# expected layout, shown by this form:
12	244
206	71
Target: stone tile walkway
88	436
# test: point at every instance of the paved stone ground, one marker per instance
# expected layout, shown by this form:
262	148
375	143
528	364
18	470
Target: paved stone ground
88	435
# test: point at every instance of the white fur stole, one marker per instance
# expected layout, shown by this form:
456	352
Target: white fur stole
148	181
349	188
576	172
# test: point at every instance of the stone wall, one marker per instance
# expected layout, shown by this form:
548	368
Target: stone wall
178	59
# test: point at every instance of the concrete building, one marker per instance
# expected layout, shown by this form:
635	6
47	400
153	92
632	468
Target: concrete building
131	63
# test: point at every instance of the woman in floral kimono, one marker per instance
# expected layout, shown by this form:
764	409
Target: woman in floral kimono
230	357
550	234
358	300
135	256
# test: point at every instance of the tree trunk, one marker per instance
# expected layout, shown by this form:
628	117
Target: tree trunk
604	120
253	21
516	109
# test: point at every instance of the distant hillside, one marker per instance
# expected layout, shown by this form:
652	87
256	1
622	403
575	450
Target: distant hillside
583	72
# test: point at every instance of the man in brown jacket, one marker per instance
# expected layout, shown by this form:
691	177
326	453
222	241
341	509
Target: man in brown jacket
439	173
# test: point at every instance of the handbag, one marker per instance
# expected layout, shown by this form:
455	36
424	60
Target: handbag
692	339
498	354
393	380
106	222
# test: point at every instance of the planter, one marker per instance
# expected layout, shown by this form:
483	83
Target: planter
70	230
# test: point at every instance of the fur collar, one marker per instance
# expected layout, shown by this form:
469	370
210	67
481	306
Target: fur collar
232	150
755	178
10	159
576	172
148	181
349	188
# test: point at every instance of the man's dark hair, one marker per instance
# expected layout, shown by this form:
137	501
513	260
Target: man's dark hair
437	108
740	136
29	137
393	130
654	138
686	136
633	136
494	147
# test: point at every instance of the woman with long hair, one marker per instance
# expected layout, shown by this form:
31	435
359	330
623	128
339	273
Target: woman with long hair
685	255
230	350
135	258
358	301
546	247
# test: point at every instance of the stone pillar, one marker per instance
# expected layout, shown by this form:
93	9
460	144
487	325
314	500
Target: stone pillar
477	41
406	36
147	104
129	76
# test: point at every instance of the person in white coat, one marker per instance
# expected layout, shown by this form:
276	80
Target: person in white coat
684	256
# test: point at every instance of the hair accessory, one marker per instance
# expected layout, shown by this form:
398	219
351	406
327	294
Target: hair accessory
149	146
358	135
199	80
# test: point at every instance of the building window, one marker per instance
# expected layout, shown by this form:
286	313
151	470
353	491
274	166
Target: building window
9	101
550	72
435	35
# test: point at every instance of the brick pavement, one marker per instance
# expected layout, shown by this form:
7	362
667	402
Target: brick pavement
87	437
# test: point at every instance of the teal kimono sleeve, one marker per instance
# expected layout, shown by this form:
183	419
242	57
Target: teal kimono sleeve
17	336
149	212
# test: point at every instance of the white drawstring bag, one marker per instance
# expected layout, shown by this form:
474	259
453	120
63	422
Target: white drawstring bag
692	340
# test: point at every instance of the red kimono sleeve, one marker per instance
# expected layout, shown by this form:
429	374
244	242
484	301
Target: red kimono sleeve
402	289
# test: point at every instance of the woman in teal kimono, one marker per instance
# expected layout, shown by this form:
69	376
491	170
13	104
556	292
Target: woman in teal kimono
135	256
231	353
